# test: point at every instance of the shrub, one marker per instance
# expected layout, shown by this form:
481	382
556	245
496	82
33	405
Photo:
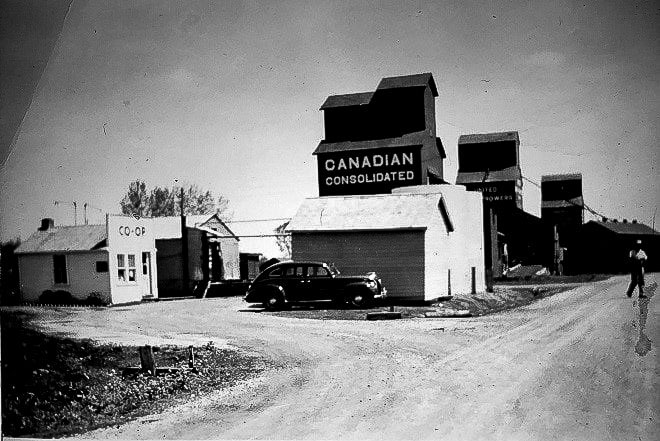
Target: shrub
59	297
96	299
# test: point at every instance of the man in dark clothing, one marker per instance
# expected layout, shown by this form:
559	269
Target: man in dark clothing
637	260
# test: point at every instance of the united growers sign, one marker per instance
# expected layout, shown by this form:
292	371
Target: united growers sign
368	172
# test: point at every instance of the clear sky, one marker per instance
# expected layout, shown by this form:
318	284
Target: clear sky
227	94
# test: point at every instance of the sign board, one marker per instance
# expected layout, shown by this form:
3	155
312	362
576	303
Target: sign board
370	171
128	232
498	192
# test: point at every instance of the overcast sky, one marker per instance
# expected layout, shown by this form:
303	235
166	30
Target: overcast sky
226	95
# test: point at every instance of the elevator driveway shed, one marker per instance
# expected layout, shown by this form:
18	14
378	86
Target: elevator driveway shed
425	242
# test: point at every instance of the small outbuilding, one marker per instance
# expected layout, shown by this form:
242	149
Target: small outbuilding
208	253
425	242
112	262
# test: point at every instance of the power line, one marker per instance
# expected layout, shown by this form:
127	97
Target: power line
258	220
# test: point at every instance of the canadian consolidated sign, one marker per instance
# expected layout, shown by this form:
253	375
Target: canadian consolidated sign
369	171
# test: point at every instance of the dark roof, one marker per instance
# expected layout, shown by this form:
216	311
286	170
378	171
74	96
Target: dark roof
416	80
562	177
507	174
350	99
626	228
61	239
479	138
363	98
408	139
563	203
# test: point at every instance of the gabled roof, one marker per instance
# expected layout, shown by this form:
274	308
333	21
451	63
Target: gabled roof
416	80
169	227
562	177
63	239
479	138
626	228
363	98
347	100
368	212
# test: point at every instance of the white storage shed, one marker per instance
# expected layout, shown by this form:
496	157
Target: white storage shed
425	242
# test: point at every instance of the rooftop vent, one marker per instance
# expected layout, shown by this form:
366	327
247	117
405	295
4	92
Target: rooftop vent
634	221
46	224
605	219
614	220
625	221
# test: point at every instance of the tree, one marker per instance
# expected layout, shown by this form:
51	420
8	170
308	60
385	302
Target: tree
9	283
135	201
164	201
283	242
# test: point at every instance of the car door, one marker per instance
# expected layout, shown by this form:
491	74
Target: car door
303	283
321	285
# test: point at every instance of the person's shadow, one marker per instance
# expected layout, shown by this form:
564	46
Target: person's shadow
643	345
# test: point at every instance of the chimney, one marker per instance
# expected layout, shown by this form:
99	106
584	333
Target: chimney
615	220
625	221
634	221
604	219
46	224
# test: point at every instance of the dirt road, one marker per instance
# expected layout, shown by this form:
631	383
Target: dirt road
582	364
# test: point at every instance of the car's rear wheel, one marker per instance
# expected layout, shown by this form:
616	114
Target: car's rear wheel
274	301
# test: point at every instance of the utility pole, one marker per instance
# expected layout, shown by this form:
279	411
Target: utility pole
184	246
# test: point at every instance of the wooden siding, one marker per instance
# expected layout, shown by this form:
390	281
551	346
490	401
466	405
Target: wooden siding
396	256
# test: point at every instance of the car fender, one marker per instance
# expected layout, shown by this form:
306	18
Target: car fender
274	286
357	287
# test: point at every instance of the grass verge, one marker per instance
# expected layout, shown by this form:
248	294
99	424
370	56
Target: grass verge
54	386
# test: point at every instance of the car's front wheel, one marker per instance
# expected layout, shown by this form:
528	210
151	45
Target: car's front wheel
274	301
360	299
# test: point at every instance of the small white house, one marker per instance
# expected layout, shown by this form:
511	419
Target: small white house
115	261
425	242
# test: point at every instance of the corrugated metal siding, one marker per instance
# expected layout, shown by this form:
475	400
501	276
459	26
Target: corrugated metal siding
397	256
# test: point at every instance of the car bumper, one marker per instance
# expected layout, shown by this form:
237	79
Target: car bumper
382	295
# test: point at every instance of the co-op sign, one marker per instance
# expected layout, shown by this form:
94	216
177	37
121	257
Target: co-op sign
368	172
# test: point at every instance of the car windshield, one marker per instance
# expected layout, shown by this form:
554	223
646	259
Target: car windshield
333	269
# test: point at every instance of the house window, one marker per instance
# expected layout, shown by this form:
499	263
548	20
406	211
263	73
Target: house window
60	275
131	268
101	266
121	267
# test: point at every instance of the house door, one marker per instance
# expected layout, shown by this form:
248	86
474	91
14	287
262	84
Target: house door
147	285
216	262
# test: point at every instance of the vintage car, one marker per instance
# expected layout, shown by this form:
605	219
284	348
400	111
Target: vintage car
292	282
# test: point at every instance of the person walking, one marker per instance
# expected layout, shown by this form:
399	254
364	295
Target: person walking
637	261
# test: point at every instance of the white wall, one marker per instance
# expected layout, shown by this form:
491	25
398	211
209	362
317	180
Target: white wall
36	275
230	259
127	235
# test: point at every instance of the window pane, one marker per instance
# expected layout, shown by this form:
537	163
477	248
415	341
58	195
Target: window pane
120	260
299	271
131	275
101	266
290	270
131	260
321	272
310	271
121	275
276	272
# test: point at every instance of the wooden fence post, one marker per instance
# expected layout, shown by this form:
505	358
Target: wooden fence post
147	359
